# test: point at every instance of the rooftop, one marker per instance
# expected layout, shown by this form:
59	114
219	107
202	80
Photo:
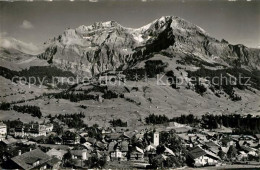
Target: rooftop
27	160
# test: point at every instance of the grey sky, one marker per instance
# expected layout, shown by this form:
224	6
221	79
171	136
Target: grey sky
36	22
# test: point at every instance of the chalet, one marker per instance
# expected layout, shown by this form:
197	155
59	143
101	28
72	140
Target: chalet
128	135
211	146
199	157
227	141
247	137
88	146
125	136
100	146
118	150
54	163
184	129
114	136
9	141
242	155
70	138
56	153
248	150
92	141
49	127
39	139
80	154
57	140
106	131
35	159
258	137
137	154
168	152
161	158
150	147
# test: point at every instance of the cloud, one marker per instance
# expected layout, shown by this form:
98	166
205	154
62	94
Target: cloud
26	25
3	34
12	43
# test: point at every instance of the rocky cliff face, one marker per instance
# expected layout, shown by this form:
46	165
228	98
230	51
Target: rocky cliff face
89	50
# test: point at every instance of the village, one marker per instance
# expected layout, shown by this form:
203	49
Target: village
54	145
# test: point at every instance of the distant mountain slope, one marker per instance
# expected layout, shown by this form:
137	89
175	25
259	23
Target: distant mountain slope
109	46
14	59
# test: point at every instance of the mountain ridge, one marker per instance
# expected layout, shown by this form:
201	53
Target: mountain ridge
106	46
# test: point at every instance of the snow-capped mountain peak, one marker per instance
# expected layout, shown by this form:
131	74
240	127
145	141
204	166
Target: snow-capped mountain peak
107	45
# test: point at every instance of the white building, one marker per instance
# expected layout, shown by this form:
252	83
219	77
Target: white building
49	127
3	131
199	157
33	130
156	138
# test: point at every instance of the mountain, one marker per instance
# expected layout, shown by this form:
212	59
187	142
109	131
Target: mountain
168	46
18	55
103	46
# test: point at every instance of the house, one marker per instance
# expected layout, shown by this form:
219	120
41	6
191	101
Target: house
88	146
242	155
3	131
199	157
140	136
80	154
114	136
227	141
211	146
57	140
49	127
125	136
100	146
106	131
118	150
150	147
54	163
31	129
128	135
39	139
70	138
180	129
9	141
137	154
249	150
35	159
223	130
168	152
92	141
161	158
56	153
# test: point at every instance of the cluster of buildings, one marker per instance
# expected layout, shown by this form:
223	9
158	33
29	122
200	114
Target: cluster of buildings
29	146
32	129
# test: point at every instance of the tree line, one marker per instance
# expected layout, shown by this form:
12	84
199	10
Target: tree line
241	124
34	111
118	123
